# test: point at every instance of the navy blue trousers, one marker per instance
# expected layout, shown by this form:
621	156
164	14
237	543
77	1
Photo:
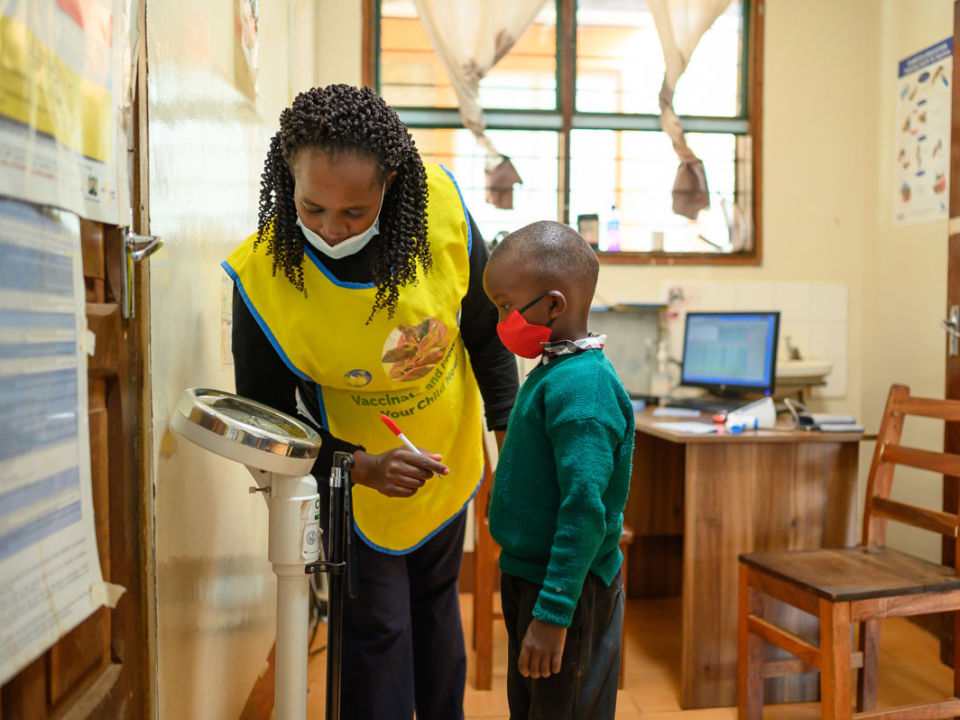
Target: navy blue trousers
403	644
586	686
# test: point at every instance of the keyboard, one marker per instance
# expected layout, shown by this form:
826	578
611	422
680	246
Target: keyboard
707	405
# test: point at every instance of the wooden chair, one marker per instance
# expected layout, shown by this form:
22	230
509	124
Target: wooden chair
486	557
862	585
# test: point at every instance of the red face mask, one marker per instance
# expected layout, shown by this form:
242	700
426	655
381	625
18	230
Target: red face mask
521	337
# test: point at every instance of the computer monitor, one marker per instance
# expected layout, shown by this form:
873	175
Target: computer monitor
731	353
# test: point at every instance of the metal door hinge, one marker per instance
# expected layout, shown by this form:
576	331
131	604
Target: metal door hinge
135	248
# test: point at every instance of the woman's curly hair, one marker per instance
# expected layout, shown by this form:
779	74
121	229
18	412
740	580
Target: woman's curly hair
336	119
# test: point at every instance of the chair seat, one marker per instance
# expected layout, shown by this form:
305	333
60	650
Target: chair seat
858	573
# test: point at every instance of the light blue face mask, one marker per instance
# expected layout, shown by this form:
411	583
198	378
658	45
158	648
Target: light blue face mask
351	245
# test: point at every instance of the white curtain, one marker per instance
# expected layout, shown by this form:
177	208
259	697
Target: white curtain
680	25
469	37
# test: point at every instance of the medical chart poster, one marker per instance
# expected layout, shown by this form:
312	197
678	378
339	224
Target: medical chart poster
65	104
50	576
922	149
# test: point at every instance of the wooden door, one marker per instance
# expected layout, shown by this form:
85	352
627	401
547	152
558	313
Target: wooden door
99	669
951	436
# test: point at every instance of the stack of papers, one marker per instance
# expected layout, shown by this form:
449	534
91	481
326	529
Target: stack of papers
826	426
829	423
806	420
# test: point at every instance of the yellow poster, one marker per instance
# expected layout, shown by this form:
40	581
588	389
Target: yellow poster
65	90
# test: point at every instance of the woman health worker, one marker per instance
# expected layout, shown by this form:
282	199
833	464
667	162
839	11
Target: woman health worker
359	294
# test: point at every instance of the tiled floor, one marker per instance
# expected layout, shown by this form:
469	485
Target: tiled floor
910	671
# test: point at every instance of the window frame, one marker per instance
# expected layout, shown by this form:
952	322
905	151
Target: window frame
564	118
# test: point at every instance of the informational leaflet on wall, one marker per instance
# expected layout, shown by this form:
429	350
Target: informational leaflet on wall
922	149
65	96
50	577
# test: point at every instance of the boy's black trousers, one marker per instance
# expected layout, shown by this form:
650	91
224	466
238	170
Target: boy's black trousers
586	686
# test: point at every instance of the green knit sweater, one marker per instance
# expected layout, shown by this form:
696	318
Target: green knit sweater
562	479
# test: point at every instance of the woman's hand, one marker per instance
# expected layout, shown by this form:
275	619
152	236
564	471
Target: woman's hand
541	651
398	472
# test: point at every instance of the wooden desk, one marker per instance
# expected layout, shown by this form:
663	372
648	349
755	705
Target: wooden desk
697	501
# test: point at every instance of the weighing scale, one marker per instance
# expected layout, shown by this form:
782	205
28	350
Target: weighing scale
279	451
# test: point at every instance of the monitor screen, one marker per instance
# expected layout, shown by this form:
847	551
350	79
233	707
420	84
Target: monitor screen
731	352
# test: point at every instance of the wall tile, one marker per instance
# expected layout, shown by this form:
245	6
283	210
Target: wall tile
754	296
828	302
813	315
718	296
792	300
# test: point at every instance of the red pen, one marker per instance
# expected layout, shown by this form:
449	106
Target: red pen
395	429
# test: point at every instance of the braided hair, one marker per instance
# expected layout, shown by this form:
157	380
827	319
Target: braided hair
345	119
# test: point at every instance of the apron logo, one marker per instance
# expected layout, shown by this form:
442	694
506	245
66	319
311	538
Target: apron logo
357	378
412	351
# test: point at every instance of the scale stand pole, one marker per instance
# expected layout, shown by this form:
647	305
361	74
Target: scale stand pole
339	522
341	558
294	529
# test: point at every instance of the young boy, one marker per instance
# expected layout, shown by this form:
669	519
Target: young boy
562	480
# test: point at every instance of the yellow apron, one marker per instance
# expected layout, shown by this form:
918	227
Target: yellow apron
412	367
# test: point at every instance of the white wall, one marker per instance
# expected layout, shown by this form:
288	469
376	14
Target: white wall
905	269
339	42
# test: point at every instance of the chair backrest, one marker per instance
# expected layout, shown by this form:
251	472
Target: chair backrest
890	453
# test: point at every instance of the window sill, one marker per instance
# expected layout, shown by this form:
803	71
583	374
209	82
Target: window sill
668	258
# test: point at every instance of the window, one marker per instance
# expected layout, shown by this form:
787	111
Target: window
575	106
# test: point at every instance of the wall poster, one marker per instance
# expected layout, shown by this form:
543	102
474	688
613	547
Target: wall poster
50	576
66	79
922	150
